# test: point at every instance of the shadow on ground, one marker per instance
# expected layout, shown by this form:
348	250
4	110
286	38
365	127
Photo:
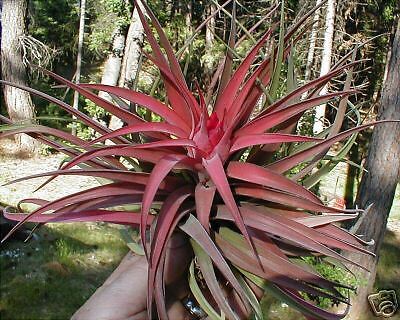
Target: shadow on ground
51	277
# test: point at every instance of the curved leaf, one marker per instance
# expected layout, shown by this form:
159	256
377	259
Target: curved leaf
120	217
265	122
200	298
207	271
146	127
204	196
291	161
80	115
217	173
195	230
258	175
169	184
249	140
159	172
144	100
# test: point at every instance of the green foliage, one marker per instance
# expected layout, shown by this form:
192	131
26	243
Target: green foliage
94	111
331	272
54	22
106	17
385	11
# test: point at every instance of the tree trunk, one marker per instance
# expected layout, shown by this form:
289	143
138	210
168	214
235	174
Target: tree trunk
189	30
326	61
18	102
210	31
313	40
378	185
310	61
79	56
352	173
130	61
133	48
112	66
111	71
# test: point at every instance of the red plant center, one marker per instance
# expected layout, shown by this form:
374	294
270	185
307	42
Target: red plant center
214	129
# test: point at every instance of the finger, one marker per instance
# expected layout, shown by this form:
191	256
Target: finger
121	296
140	316
177	311
179	289
128	262
178	257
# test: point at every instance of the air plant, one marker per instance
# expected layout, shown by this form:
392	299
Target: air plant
224	178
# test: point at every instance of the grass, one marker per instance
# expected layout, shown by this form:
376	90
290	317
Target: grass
388	274
50	278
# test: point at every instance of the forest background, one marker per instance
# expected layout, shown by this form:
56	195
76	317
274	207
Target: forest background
112	44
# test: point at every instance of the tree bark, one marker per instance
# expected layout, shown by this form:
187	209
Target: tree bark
326	61
210	31
313	40
378	185
310	58
133	48
82	13
189	30
111	71
112	65
351	176
130	61
18	102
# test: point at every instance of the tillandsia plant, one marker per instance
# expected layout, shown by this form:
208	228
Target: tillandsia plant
218	169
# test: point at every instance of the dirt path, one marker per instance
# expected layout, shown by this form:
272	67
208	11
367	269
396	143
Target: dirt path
12	167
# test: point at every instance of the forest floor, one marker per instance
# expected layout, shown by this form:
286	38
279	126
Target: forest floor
51	277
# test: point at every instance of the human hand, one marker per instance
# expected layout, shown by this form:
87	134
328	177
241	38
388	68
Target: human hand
123	295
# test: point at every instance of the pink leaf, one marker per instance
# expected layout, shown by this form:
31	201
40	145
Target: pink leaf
245	141
204	195
258	175
119	112
194	229
217	173
120	217
228	96
159	172
165	225
265	122
81	116
144	100
291	161
169	184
